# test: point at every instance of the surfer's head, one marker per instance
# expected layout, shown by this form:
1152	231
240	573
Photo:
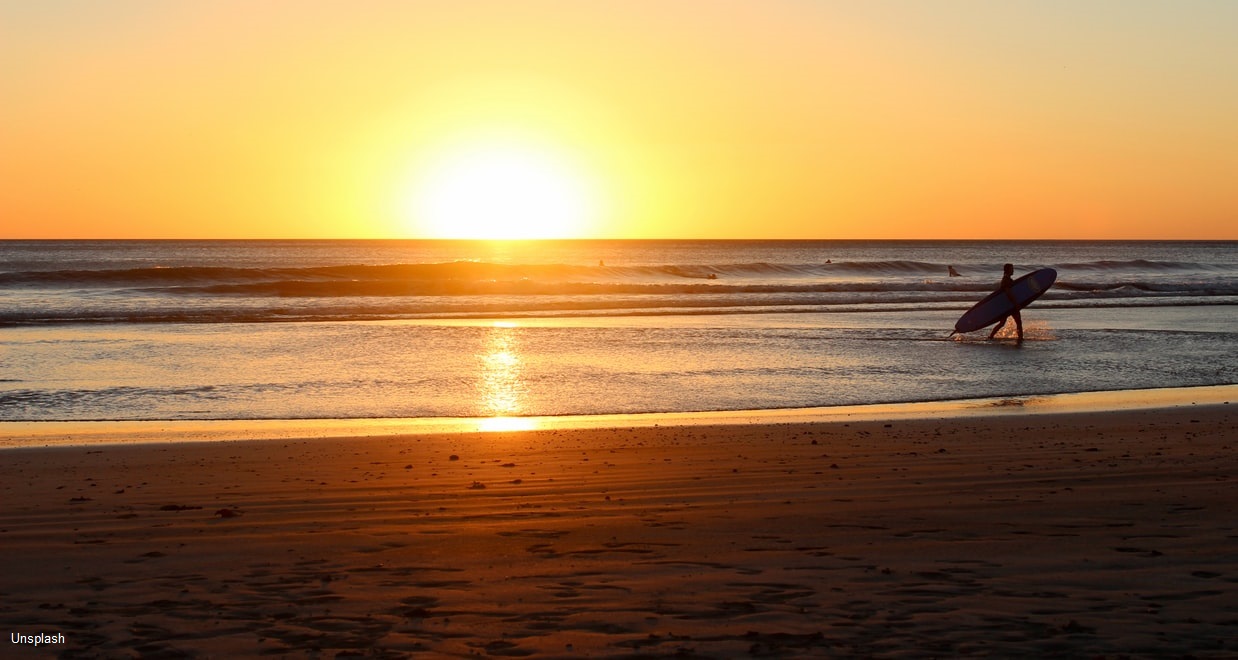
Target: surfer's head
1009	269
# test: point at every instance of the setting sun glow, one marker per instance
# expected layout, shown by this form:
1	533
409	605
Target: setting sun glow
718	119
502	191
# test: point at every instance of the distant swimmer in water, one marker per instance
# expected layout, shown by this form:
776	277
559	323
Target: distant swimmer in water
1007	282
711	276
952	271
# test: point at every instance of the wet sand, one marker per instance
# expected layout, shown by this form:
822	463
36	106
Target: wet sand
1075	535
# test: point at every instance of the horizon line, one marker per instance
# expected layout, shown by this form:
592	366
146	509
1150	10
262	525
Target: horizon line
618	239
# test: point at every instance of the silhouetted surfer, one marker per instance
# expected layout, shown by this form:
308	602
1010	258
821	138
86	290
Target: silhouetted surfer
1007	282
952	271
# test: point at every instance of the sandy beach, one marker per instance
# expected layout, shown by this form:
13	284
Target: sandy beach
1094	534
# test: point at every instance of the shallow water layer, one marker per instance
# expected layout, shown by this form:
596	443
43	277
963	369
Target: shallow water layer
594	366
64	434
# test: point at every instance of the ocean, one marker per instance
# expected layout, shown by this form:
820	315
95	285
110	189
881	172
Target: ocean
238	330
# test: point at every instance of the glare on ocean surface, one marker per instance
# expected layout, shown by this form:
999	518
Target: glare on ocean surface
501	388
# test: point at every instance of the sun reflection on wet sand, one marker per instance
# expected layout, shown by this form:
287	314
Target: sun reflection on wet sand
25	434
500	424
501	387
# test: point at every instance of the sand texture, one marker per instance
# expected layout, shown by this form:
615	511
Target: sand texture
1074	535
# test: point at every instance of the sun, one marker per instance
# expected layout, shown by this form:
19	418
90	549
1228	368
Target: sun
499	190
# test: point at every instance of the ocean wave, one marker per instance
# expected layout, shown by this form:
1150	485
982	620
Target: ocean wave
528	287
413	288
449	289
481	271
1143	265
1189	288
450	271
380	309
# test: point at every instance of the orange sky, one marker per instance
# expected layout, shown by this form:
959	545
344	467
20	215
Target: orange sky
692	119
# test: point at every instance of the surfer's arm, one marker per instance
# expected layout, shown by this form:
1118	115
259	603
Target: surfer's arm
1006	286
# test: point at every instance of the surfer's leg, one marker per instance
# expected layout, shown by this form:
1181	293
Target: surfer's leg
1018	324
998	328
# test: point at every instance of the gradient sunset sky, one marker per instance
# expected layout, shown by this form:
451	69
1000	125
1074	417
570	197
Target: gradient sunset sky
632	119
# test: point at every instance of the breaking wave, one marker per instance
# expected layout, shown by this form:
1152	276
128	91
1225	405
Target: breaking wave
176	294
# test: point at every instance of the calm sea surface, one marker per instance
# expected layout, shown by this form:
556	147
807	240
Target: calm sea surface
133	330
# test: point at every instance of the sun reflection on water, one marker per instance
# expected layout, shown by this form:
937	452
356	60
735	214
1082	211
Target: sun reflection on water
501	386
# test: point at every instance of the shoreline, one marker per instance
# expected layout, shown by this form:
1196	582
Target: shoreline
1095	534
14	435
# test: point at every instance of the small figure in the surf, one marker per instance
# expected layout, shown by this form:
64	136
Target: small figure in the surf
711	276
1006	284
952	271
